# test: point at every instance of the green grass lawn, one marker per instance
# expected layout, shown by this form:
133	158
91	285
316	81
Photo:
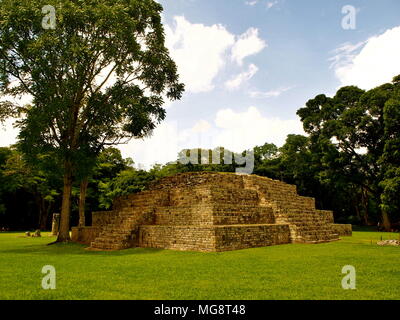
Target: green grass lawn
280	272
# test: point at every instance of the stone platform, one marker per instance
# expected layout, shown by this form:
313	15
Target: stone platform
211	212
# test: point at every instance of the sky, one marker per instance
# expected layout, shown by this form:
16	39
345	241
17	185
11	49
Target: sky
249	65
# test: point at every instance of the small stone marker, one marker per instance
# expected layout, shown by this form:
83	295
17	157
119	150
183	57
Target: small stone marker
36	234
55	227
394	243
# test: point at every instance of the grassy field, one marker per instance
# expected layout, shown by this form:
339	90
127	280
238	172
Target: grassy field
280	272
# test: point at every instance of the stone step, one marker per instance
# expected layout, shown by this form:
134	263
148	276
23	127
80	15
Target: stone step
105	244
109	247
112	237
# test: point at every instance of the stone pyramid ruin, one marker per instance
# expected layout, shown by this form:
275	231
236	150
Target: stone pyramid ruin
211	212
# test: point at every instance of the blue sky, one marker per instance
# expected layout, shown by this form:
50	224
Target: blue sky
250	65
301	36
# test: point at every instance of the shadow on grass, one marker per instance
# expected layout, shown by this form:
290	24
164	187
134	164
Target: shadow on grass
75	249
42	245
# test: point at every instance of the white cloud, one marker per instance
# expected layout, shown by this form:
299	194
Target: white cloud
345	54
161	147
268	4
251	3
271	4
370	63
241	78
201	126
167	140
199	51
8	134
234	130
248	44
245	130
269	94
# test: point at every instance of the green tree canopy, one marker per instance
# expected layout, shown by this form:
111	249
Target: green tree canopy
98	78
357	124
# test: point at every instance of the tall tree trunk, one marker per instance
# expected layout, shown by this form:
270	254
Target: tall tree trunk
63	235
82	201
386	221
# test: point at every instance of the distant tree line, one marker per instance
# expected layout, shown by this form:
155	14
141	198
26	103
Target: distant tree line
350	162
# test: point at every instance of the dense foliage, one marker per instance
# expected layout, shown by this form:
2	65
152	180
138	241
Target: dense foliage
334	164
97	76
350	162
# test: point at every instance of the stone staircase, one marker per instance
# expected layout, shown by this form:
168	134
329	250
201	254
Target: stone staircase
306	223
119	234
122	231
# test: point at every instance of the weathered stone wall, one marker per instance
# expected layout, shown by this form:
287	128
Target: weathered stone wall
194	215
328	215
344	230
251	236
213	238
187	238
212	206
242	214
152	198
190	180
102	218
85	235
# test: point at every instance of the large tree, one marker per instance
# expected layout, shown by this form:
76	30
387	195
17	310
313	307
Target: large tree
97	72
354	122
390	159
